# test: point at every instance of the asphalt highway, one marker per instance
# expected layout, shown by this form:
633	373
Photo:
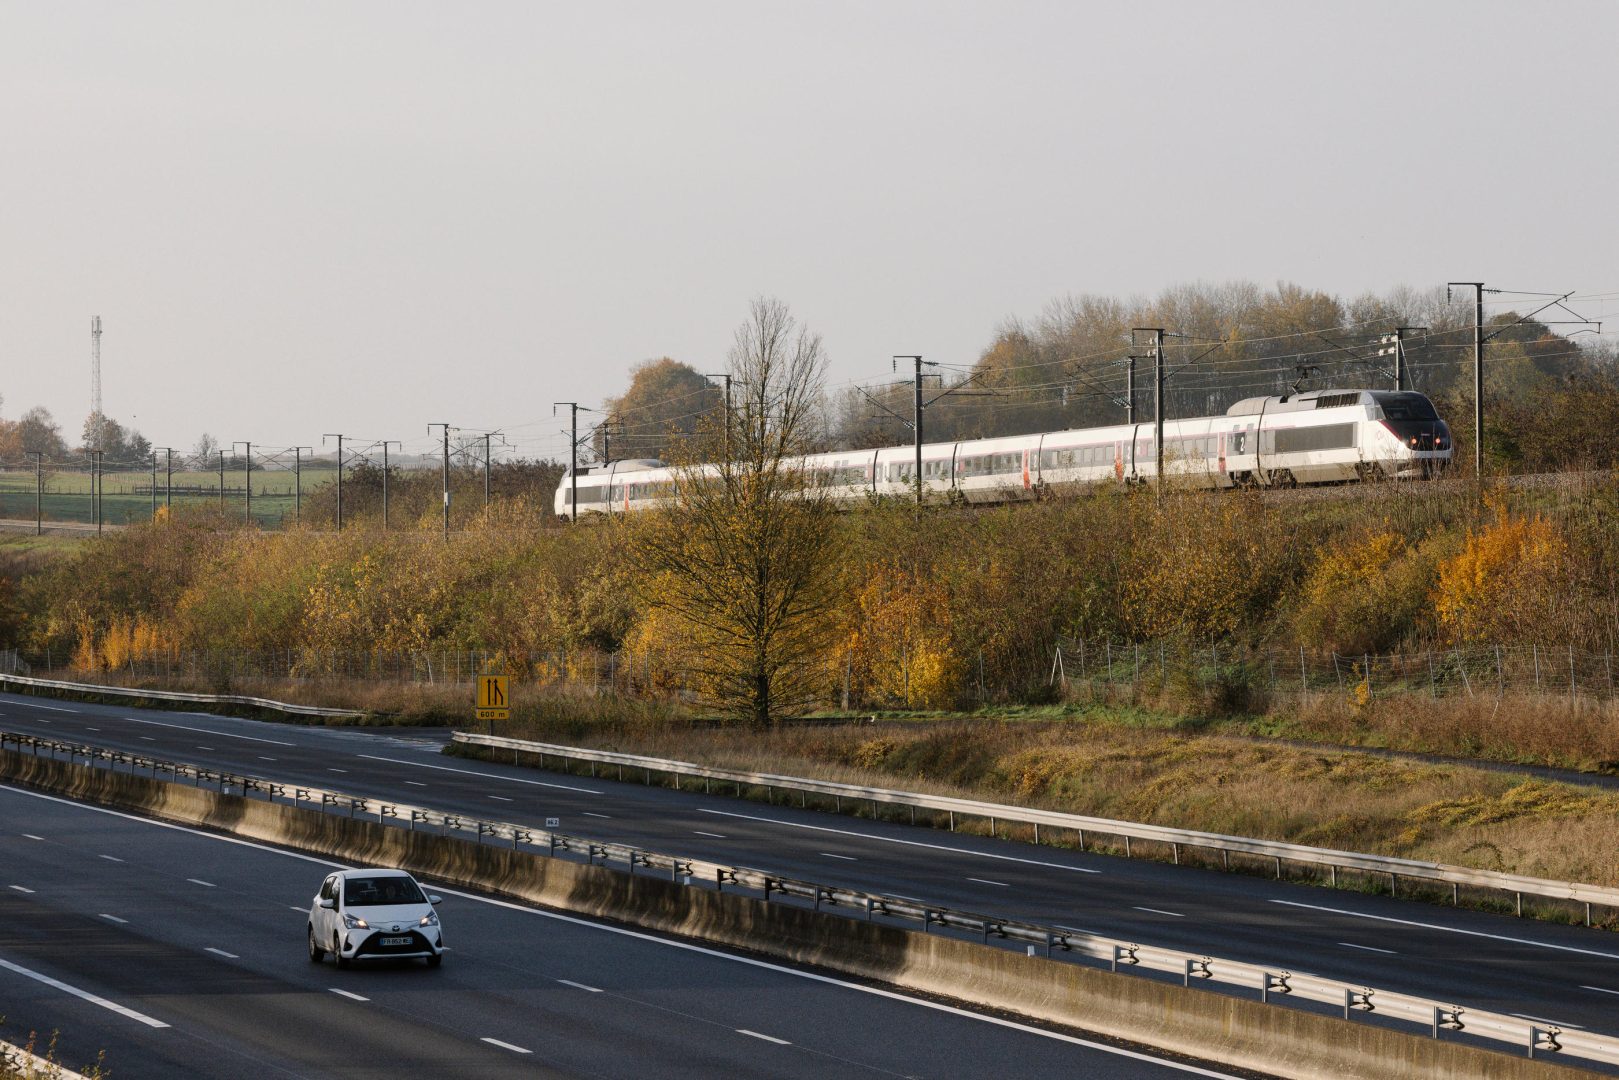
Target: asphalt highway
181	953
1556	974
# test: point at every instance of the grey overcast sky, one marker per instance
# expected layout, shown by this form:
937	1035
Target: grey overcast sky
297	218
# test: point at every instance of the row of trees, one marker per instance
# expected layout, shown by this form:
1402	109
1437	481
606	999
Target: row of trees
37	432
1067	368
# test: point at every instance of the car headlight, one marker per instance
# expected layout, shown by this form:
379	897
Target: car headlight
430	919
355	923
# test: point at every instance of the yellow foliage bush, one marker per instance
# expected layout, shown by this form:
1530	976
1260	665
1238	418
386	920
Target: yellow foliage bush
1507	579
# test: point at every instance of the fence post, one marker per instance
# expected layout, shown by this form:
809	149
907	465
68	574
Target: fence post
1534	651
1304	678
1500	675
1572	677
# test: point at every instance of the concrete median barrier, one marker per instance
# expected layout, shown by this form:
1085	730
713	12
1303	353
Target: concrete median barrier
1248	1034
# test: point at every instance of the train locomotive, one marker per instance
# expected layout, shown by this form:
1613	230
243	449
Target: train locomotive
1318	437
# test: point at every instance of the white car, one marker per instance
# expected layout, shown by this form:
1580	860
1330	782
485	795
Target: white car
371	915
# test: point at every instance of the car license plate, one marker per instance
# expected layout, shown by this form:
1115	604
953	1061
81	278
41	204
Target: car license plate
395	941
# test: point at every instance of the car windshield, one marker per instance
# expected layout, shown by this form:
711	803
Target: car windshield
380	891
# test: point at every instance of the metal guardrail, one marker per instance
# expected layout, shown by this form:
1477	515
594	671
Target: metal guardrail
175	695
1277	852
1272	985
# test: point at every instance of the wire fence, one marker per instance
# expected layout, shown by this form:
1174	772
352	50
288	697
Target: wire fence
1071	668
1480	669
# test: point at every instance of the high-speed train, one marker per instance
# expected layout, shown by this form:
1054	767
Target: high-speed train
1318	437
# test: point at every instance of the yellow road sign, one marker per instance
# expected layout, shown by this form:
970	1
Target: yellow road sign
493	701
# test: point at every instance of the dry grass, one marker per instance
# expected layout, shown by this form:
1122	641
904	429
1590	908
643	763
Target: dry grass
1215	783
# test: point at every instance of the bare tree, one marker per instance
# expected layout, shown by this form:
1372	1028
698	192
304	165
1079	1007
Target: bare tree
202	454
744	558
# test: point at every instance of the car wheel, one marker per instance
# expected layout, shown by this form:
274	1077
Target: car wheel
337	954
435	960
316	953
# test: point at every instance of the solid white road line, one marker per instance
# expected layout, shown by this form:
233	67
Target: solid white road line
206	731
505	1045
347	994
52	708
23	889
1600	989
1451	930
845	858
714	835
222	952
1161	911
299	910
766	1038
31	836
110	858
765	965
204	884
986	881
1368	948
83	995
112	918
897	840
482	775
579	986
1543	1020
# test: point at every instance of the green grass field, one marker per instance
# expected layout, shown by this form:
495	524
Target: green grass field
126	495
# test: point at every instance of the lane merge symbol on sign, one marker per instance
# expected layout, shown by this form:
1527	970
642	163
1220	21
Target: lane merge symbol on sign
493	702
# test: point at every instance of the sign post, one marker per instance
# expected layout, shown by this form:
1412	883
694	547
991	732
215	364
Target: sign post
493	702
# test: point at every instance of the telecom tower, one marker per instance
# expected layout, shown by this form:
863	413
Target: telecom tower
95	381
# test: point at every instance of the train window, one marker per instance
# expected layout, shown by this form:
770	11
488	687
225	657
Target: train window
586	494
1326	437
1406	406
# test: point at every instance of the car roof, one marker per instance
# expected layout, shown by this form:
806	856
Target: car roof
345	874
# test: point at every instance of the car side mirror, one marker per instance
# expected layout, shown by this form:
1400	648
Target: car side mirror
328	903
431	899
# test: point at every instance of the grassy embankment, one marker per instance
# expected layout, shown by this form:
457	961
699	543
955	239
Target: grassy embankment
930	614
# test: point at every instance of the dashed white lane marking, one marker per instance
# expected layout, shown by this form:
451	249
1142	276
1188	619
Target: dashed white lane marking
898	840
147	738
1600	989
415	783
766	1038
83	995
502	798
112	918
986	881
764	965
204	748
87	728
110	858
1543	1020
206	731
347	994
1161	911
337	770
222	952
482	775
299	910
23	889
845	858
263	758
580	986
204	884
1368	948
1451	929
504	1045
31	836
587	813
714	835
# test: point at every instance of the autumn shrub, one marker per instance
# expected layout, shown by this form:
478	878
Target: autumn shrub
1508	581
1365	595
